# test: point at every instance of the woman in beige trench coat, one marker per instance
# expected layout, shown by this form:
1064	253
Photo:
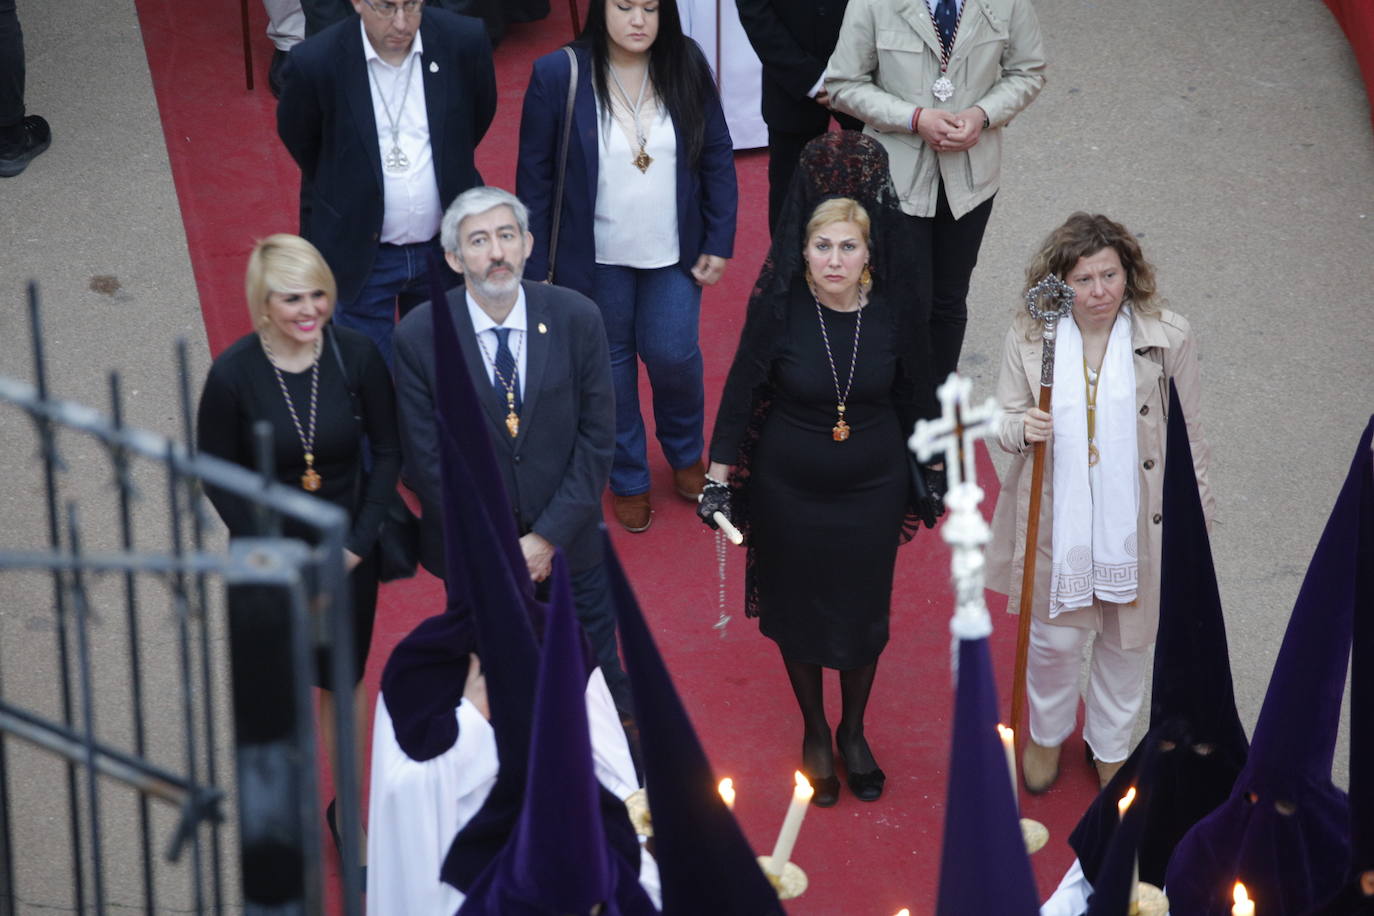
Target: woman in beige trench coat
1122	349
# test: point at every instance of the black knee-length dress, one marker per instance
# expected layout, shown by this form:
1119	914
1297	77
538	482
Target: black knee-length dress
825	517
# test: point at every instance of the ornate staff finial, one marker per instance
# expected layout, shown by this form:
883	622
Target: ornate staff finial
954	433
1048	301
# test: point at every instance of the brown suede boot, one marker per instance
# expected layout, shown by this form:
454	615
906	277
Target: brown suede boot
634	513
1039	767
689	481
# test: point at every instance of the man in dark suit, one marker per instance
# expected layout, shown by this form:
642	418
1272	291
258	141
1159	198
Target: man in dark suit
793	39
383	113
537	354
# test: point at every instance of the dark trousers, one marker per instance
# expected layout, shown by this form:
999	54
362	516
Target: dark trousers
784	149
11	66
946	253
592	603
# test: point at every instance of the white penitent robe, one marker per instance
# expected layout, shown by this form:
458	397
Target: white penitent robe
739	72
418	807
1072	895
1070	898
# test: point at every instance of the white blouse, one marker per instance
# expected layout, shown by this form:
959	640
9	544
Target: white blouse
636	212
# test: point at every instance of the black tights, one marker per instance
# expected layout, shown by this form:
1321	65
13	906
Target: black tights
855	686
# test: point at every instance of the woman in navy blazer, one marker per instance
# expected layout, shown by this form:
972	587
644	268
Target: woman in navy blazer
648	218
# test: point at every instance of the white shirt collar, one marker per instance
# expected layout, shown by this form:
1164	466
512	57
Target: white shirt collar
481	321
370	53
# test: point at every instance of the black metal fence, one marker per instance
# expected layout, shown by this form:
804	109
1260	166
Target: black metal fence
154	683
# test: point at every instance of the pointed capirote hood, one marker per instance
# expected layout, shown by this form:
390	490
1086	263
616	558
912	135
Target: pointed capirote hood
704	861
424	676
1285	829
982	827
485	570
1356	897
481	550
557	861
1194	725
1116	873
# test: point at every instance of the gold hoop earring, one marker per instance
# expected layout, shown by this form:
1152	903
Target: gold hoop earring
866	278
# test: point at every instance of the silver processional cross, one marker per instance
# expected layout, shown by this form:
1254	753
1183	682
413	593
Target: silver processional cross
954	433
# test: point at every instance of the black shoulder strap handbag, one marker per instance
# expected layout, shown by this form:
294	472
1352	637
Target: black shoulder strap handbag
398	542
562	163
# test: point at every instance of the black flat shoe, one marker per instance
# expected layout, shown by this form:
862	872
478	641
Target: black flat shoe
867	786
827	789
20	144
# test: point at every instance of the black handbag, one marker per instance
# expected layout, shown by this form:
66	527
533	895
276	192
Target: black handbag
398	542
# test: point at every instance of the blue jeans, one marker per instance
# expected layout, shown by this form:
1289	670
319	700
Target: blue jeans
399	279
653	315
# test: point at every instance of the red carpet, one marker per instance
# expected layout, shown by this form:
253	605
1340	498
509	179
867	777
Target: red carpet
236	184
1357	19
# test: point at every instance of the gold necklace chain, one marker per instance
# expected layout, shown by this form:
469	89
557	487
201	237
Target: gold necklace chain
311	479
1091	382
840	431
508	385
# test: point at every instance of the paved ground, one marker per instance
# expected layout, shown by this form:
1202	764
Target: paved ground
1234	137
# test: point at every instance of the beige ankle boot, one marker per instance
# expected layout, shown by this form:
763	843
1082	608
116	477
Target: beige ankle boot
1105	771
1039	767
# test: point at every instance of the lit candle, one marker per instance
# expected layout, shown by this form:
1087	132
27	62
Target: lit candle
1244	905
727	792
791	824
1121	807
1009	746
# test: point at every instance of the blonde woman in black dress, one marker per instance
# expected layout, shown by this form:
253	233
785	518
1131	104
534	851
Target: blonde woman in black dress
322	390
825	388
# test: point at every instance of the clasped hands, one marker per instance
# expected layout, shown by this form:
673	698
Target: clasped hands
950	132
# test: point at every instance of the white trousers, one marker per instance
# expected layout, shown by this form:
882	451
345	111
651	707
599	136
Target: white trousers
285	22
1116	686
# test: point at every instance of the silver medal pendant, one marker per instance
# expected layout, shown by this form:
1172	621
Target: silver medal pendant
943	89
396	160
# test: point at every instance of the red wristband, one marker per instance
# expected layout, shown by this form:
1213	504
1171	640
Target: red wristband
916	119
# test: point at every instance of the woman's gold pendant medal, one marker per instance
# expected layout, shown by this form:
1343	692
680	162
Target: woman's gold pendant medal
841	429
642	160
311	479
1093	456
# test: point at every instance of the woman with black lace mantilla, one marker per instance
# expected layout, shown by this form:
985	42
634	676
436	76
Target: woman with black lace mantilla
828	381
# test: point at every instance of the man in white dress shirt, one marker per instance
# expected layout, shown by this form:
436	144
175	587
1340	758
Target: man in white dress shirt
383	113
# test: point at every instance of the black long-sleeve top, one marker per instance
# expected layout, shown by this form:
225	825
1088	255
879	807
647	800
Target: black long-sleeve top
242	389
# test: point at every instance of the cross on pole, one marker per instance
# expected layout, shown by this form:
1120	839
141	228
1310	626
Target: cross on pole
954	433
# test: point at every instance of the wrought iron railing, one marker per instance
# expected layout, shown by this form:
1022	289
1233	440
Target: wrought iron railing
202	650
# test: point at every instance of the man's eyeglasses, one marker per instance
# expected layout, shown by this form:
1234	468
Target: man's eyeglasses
386	9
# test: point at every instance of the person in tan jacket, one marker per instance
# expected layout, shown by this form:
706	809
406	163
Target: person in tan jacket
936	81
1097	570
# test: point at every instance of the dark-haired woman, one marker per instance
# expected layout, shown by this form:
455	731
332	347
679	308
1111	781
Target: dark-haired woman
647	218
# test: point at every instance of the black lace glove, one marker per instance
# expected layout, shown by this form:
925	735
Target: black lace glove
715	497
928	492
